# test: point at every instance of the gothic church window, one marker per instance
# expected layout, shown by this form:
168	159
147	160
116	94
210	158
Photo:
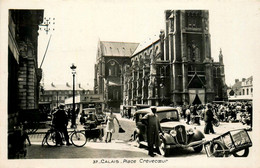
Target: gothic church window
113	69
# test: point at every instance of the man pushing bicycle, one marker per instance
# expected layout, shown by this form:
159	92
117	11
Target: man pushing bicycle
60	122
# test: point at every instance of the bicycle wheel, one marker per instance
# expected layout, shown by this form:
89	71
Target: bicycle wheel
78	139
52	137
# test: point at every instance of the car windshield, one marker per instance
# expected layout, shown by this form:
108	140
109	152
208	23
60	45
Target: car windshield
168	116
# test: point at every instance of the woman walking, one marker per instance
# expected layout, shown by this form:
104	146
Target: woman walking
110	128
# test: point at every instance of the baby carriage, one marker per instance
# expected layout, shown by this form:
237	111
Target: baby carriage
93	128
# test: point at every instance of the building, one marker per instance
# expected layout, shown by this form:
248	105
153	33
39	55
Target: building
110	60
54	94
23	73
177	68
241	90
87	100
174	69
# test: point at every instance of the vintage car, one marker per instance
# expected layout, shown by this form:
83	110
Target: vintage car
88	112
176	135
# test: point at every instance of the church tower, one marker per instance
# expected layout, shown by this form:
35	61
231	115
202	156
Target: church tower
187	45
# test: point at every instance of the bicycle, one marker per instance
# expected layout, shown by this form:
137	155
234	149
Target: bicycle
77	137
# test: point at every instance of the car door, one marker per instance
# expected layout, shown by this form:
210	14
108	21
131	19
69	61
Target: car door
141	127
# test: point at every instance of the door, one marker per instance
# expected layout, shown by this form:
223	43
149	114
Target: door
197	96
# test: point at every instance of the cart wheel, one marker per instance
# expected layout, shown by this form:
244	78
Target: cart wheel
217	149
242	153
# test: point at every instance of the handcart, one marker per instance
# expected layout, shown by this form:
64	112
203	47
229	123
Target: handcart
235	142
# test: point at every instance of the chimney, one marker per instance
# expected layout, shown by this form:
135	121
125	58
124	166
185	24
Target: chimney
243	79
79	85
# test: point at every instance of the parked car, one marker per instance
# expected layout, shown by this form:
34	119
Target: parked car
88	113
176	135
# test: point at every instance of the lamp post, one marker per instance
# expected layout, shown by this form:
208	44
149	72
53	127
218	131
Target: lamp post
73	119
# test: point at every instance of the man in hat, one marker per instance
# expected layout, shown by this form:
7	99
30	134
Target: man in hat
209	117
60	122
153	127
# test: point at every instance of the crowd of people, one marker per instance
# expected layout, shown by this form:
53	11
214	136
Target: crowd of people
224	112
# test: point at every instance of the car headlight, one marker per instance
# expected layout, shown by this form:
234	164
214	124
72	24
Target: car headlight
173	133
190	131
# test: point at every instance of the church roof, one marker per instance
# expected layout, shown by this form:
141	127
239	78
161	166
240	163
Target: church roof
118	49
146	43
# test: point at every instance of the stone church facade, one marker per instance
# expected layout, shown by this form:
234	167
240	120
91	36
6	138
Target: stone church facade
177	68
174	69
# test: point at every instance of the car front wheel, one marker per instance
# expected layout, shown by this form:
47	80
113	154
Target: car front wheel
164	151
137	140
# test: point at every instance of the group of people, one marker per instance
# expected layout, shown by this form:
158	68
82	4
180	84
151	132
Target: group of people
227	112
60	122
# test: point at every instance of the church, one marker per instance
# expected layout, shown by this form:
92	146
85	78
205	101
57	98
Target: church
175	69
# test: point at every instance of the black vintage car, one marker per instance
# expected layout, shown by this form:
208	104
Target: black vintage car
176	135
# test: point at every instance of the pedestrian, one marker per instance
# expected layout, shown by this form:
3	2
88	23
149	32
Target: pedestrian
110	128
184	112
187	112
153	128
209	117
60	122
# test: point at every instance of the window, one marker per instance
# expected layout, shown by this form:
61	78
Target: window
247	91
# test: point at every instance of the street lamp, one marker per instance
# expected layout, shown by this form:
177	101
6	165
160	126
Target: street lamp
73	119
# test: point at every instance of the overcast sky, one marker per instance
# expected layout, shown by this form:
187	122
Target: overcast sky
234	27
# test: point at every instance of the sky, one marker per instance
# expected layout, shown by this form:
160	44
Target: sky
233	25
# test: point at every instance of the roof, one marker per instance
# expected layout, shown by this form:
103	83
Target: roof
66	86
143	45
118	49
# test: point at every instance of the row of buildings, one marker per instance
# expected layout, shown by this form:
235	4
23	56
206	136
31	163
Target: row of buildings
241	90
54	94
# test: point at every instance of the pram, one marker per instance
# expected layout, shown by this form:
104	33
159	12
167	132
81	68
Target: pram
94	131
